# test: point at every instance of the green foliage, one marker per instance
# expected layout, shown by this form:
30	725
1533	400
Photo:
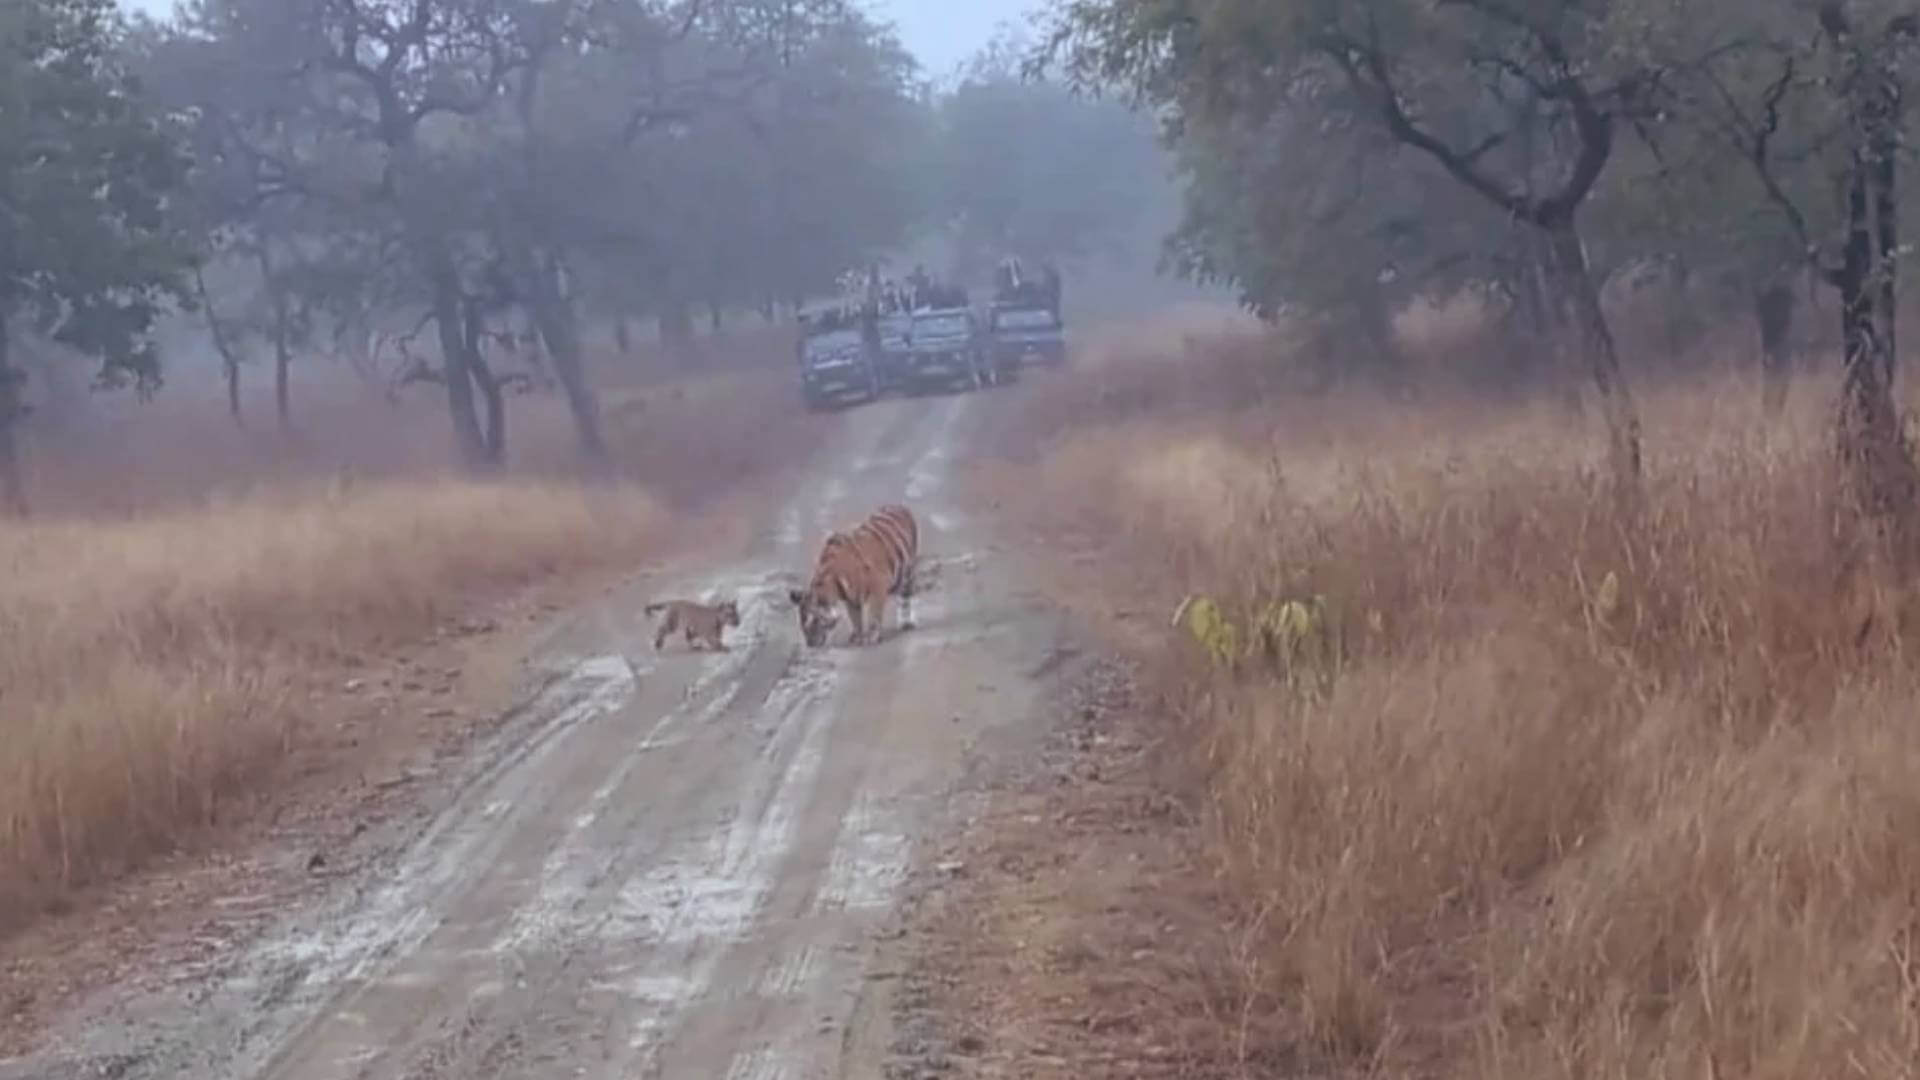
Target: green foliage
1346	234
1210	628
725	154
1295	638
1344	157
90	248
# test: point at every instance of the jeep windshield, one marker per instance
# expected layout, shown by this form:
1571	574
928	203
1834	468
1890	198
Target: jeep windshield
833	345
940	326
1034	319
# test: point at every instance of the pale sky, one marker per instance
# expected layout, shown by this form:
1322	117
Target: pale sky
941	33
944	33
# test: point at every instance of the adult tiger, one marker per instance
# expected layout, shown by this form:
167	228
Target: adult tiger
860	569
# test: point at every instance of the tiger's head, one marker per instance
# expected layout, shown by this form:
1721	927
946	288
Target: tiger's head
729	613
818	615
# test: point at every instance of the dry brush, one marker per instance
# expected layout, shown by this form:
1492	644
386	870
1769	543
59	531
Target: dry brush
1572	796
163	627
149	668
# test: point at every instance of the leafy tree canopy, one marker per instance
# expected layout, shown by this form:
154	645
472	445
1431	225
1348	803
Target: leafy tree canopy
89	248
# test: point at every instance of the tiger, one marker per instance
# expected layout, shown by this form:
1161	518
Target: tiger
697	622
860	569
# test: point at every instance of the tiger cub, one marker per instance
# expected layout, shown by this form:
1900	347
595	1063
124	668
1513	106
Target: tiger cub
697	622
859	570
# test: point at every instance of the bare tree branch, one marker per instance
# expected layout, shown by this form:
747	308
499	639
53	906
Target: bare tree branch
1753	138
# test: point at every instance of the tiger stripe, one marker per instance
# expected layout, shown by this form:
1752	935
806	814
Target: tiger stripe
859	569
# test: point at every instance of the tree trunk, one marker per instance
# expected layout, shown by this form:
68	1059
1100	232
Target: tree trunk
1884	147
282	348
1373	314
233	396
282	388
494	434
1556	325
1600	353
1525	325
1681	316
1773	314
13	484
1871	441
229	355
469	443
676	332
560	330
282	364
496	400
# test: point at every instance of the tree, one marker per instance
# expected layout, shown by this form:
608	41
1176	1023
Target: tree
264	246
771	154
89	253
1521	103
278	282
1812	100
1340	236
1690	207
1025	167
479	165
353	110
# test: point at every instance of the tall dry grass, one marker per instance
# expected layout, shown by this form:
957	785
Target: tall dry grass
162	618
1536	825
681	434
146	666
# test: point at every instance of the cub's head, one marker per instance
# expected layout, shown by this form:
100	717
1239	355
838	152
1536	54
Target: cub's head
729	613
817	614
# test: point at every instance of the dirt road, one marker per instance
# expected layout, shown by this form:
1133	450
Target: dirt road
661	865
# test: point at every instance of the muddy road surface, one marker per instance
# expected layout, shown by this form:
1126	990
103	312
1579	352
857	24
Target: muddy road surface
665	864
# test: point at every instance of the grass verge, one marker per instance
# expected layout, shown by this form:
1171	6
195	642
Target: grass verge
1552	794
149	667
164	625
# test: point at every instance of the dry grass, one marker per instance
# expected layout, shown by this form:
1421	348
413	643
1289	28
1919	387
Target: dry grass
682	436
147	666
164	619
1537	826
698	437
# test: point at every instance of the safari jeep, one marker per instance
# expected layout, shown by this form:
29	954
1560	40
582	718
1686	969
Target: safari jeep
944	348
837	363
1026	333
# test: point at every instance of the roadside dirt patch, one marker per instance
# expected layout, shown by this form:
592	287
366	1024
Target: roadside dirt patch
1071	930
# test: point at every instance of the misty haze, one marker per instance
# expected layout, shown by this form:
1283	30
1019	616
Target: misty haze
774	539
